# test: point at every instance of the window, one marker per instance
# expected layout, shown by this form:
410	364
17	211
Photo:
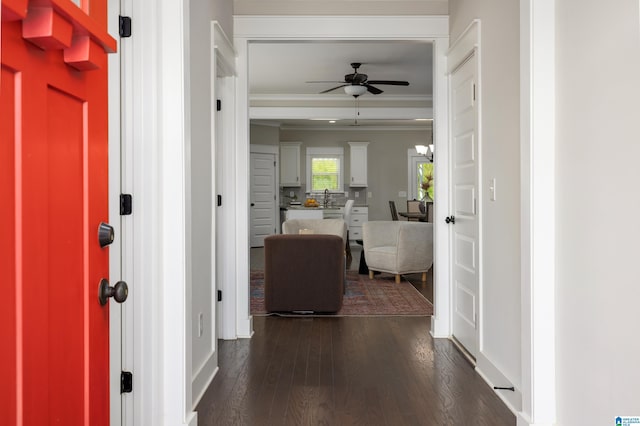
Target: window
424	180
324	169
420	176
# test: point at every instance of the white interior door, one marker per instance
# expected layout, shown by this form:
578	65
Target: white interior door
263	197
464	191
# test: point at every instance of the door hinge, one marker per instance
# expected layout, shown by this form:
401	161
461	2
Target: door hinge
218	105
474	92
126	204
126	382
125	26
219	200
219	295
274	163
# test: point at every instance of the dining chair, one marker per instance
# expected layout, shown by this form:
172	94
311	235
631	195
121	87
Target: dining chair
394	211
347	218
413	206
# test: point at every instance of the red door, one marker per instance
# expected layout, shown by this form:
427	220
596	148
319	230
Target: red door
54	359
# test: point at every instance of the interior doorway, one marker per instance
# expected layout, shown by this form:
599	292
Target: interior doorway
249	31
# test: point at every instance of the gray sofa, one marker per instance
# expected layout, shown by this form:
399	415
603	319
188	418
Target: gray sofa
303	273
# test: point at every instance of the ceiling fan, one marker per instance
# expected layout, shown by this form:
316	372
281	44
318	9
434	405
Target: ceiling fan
356	84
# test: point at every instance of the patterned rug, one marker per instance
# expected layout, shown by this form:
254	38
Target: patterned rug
363	297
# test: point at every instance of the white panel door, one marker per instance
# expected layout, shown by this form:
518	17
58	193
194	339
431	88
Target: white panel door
464	191
263	197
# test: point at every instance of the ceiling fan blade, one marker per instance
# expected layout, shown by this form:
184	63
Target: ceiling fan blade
332	89
325	81
373	90
390	82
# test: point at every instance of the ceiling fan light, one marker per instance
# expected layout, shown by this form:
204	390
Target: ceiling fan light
354	90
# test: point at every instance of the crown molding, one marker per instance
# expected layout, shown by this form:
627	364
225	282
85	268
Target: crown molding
339	113
337	98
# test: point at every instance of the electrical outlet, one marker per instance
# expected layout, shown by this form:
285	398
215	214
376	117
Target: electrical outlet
357	194
200	324
291	193
346	194
402	194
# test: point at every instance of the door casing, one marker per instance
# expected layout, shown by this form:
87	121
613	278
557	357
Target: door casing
250	29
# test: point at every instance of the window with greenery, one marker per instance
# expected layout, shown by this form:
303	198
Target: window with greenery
324	169
325	174
424	177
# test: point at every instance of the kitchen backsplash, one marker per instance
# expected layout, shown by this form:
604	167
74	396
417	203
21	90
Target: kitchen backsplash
336	199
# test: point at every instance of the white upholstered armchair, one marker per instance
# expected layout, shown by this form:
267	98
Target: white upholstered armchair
316	226
398	247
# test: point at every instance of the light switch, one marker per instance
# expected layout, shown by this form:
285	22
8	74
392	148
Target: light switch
369	194
492	189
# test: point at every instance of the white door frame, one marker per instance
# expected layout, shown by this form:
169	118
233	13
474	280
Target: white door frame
115	249
248	29
225	82
155	144
537	210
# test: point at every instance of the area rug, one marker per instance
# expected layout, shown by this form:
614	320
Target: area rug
363	297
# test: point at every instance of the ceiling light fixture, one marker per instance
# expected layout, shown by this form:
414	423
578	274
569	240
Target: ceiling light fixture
354	90
426	150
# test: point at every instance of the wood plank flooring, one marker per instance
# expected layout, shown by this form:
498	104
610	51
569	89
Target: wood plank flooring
347	371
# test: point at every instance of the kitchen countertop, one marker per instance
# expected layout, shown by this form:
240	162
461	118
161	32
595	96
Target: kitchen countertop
334	207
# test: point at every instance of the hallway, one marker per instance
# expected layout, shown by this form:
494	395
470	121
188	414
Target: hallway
347	371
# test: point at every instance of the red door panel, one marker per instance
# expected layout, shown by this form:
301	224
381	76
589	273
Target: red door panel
53	187
8	86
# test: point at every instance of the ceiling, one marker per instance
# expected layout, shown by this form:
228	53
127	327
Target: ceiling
280	92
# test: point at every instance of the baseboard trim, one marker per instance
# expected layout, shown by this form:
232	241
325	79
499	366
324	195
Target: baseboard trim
494	377
203	378
463	351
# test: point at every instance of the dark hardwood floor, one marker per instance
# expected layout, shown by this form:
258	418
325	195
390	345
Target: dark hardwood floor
347	371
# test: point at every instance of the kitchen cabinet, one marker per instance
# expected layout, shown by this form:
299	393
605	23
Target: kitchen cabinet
359	215
358	167
290	164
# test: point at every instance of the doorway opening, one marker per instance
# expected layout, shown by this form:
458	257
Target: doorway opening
274	30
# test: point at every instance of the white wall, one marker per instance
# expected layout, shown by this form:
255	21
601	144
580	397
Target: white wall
264	134
222	11
387	161
499	357
204	356
597	294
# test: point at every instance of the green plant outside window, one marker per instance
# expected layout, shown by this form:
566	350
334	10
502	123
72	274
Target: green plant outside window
424	180
325	174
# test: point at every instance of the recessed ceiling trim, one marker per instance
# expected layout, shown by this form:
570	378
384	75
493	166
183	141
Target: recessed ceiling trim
338	97
306	113
354	128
